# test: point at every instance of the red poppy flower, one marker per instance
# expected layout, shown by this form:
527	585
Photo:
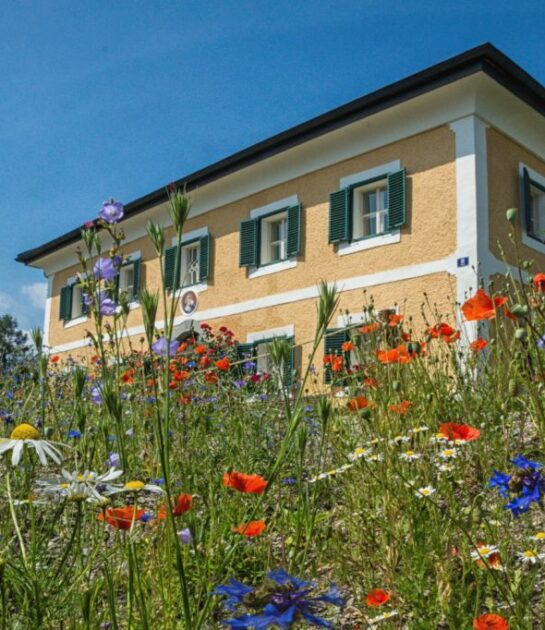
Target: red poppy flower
121	517
481	306
377	597
490	621
370	382
337	364
402	408
182	505
394	319
253	484
204	362
211	377
205	326
358	402
454	431
369	328
446	332
55	358
223	364
479	344
200	349
347	346
394	355
253	528
181	375
539	282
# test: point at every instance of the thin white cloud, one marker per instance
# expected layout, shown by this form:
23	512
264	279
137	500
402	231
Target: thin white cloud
36	293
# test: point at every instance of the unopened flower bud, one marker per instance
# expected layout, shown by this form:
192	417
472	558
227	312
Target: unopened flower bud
511	215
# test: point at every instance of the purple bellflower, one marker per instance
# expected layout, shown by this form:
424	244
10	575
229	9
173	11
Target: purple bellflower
111	211
105	269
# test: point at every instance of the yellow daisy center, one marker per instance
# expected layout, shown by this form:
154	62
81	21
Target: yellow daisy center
483	551
410	453
64	485
540	536
25	432
359	451
529	554
134	485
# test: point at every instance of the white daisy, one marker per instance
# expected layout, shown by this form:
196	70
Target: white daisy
426	491
25	435
539	536
529	556
89	486
448	453
377	457
135	486
420	429
483	551
400	439
359	452
410	456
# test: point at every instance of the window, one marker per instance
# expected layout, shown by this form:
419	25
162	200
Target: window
258	359
534	207
71	305
274	238
271	238
368	208
128	281
193	265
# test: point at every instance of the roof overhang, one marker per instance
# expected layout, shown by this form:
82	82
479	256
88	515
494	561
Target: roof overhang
483	60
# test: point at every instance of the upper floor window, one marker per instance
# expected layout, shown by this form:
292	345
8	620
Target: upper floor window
128	280
368	208
534	206
193	265
72	305
271	238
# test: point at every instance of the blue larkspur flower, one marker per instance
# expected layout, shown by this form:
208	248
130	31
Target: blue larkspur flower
522	462
501	481
74	434
524	487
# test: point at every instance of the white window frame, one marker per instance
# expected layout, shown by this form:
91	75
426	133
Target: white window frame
81	319
130	259
380	240
288	263
194	235
528	240
358	216
266	336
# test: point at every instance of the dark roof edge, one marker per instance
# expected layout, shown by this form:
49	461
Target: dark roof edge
485	58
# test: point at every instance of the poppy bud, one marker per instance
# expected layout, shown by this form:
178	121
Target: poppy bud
511	215
521	334
396	386
519	310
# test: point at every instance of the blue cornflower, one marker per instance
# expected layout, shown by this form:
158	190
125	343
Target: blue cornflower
283	601
526	484
74	434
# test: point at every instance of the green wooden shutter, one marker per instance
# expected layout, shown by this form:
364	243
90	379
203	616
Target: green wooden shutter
290	366
527	202
136	277
339	208
248	243
245	352
170	267
65	307
204	258
294	230
333	345
397	199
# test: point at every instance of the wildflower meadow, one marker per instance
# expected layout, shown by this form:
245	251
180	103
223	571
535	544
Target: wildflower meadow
159	484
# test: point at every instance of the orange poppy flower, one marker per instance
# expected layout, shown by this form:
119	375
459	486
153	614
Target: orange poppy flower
481	306
253	528
394	319
328	358
347	346
223	364
446	332
394	355
182	505
479	344
184	400
490	621
55	358
182	347
121	517
377	597
181	375
539	283
337	364
370	382
252	484
127	376
172	385
402	408
369	328
358	402
211	377
454	431
200	349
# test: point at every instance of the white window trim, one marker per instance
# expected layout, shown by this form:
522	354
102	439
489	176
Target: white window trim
283	331
190	236
380	240
528	240
131	258
78	320
256	213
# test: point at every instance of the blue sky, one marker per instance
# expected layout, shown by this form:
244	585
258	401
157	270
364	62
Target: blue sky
119	98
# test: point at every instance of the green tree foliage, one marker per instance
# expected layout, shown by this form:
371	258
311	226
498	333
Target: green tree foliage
13	341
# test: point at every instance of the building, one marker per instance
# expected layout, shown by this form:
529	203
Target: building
399	192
